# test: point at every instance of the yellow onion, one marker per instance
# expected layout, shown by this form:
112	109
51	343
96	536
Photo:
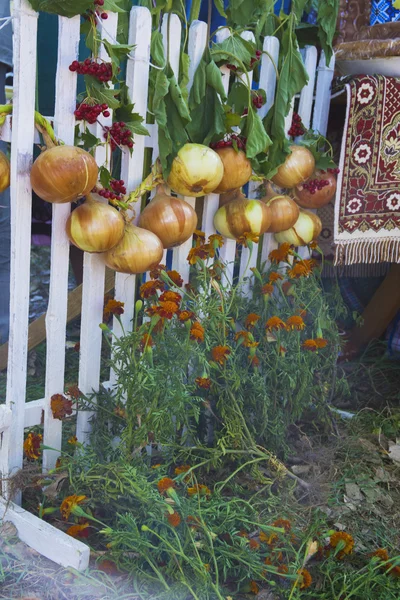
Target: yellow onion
242	216
237	169
4	172
172	220
95	226
306	229
196	170
319	198
63	174
229	196
138	251
284	213
298	167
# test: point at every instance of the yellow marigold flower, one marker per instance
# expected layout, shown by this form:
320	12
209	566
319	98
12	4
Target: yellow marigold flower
305	578
203	382
157	466
119	411
253	544
197	332
174	519
207	567
281	254
254	587
176	278
60	406
68	504
78	530
216	240
32	445
381	553
251	320
156	271
273	538
283	523
321	342
267	289
263	536
343	538
199	489
167	309
220	354
247	237
113	307
170	297
274	323
274	276
73	440
295	322
182	469
185	315
149	288
248	340
165	484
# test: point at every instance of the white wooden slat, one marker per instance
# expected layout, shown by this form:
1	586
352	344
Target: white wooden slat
34	412
198	39
137	80
5	418
56	316
211	203
307	93
323	94
93	285
25	31
50	542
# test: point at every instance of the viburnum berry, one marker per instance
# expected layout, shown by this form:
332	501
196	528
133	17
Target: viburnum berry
100	70
231	67
228	141
314	185
90	112
116	191
297	128
256	58
334	171
258	100
118	135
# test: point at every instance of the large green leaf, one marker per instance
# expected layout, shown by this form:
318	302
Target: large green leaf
99	92
298	7
219	5
117	53
114	5
246	12
326	19
234	50
65	8
238	97
258	140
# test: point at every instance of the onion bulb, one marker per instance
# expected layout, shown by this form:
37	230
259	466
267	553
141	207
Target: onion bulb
306	229
63	174
4	172
309	195
229	196
138	251
237	169
196	170
172	220
284	213
95	226
242	216
298	167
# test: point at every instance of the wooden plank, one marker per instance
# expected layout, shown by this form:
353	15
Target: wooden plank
50	542
56	316
323	94
25	30
37	329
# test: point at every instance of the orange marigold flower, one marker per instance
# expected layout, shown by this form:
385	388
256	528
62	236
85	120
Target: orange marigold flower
74	392
343	538
73	440
268	560
197	332
295	322
78	530
199	236
60	406
155	272
254	587
381	553
149	288
267	289
283	569
302	268
182	469
254	361
165	484
321	342
305	578
120	412
146	341
394	571
68	505
263	536
157	466
220	354
113	307
273	538
170	297
242	533
248	340
253	544
174	519
247	237
281	254
193	522
274	323
251	320
32	445
203	382
167	309
310	345
199	489
283	523
185	315
274	276
216	240
176	278
197	253
313	245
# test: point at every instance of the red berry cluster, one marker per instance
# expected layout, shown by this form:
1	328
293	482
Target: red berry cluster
118	190
228	141
256	58
119	135
258	100
231	67
102	71
315	184
334	171
297	127
97	9
90	112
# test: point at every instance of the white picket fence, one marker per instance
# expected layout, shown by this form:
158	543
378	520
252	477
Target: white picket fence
16	414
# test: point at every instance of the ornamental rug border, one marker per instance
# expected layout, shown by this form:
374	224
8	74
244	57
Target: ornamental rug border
367	205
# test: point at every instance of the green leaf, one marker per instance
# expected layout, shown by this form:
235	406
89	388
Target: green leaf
117	53
258	140
238	97
234	50
157	49
298	7
113	6
99	92
89	32
219	5
89	140
324	162
194	10
326	19
65	8
184	75
104	176
246	12
232	119
126	113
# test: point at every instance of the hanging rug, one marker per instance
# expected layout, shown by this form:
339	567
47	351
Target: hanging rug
367	208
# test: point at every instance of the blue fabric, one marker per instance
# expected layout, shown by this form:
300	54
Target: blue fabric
382	11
